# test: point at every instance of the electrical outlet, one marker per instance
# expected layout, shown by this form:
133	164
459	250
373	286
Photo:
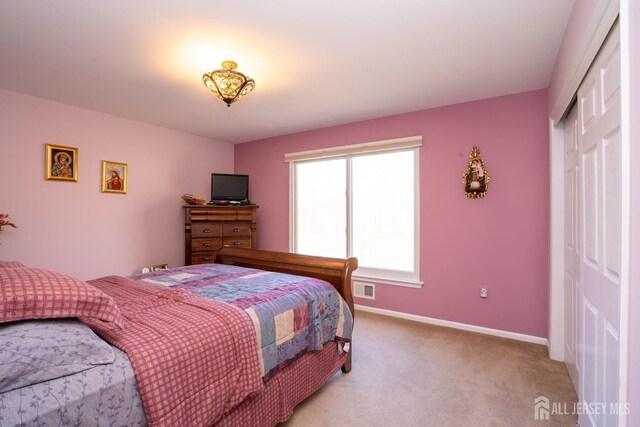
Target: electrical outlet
484	292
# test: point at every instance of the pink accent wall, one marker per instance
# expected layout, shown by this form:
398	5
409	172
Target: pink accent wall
500	242
73	227
569	49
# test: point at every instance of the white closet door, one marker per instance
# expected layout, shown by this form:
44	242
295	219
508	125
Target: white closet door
571	245
600	195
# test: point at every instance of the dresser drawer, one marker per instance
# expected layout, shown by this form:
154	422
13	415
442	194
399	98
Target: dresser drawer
202	257
239	242
236	229
201	245
206	229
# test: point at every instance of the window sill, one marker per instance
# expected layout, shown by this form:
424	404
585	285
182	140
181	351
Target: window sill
416	284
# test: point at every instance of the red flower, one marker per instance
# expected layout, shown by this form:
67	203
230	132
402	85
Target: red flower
4	220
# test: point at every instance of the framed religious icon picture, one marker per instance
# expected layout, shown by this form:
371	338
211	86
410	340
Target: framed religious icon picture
114	177
475	178
61	163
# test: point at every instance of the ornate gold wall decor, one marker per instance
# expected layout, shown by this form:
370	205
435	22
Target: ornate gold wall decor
61	163
476	177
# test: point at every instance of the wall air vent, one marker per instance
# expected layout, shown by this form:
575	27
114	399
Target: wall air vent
364	290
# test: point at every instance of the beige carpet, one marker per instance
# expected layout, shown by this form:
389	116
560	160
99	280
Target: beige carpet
411	374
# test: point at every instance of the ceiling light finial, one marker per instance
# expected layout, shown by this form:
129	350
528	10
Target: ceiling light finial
227	84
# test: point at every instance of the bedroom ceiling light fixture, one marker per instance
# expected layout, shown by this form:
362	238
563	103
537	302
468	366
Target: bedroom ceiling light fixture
227	84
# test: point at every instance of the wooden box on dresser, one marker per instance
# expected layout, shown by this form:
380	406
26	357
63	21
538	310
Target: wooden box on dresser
208	228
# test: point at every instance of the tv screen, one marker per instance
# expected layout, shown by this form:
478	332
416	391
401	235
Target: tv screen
229	187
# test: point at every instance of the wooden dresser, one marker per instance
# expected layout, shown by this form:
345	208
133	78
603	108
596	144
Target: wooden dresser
208	228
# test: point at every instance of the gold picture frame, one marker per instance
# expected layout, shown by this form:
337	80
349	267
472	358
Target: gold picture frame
476	177
61	163
114	177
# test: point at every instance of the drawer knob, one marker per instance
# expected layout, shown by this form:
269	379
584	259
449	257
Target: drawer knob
236	243
206	244
206	258
206	230
236	230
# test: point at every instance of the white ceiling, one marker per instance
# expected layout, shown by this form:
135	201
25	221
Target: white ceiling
315	63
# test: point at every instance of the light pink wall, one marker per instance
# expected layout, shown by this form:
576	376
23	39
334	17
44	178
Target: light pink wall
569	49
500	242
74	227
634	289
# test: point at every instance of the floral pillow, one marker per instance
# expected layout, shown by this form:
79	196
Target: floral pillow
11	264
34	351
33	293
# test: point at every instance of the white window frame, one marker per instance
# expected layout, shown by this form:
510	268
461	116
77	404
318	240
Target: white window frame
369	274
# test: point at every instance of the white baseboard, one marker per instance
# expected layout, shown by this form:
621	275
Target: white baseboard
455	325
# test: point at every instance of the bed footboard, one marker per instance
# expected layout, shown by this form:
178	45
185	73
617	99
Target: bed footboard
336	271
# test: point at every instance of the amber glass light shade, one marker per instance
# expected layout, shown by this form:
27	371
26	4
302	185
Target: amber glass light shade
227	84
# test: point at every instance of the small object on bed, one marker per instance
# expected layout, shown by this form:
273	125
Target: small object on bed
193	200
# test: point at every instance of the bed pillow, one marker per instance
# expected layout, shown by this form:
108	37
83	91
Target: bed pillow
34	351
33	293
11	264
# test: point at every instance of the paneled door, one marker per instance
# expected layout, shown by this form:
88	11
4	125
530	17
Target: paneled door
571	245
599	253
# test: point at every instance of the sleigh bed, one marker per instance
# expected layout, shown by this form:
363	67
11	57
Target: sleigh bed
175	348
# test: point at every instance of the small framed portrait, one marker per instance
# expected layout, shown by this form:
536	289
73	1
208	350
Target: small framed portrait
476	177
61	163
114	177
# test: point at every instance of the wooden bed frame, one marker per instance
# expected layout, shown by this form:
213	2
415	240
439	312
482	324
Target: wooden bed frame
305	374
333	270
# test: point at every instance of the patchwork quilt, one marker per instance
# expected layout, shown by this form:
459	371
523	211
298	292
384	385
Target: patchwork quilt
290	314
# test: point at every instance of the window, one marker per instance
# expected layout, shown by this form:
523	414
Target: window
361	201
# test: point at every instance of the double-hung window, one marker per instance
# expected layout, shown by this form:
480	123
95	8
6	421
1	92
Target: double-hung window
363	201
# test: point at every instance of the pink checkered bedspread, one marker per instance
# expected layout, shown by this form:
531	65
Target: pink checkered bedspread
187	376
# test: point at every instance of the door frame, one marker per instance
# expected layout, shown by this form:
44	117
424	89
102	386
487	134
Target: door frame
601	22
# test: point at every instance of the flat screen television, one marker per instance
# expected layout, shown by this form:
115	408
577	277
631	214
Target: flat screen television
229	187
